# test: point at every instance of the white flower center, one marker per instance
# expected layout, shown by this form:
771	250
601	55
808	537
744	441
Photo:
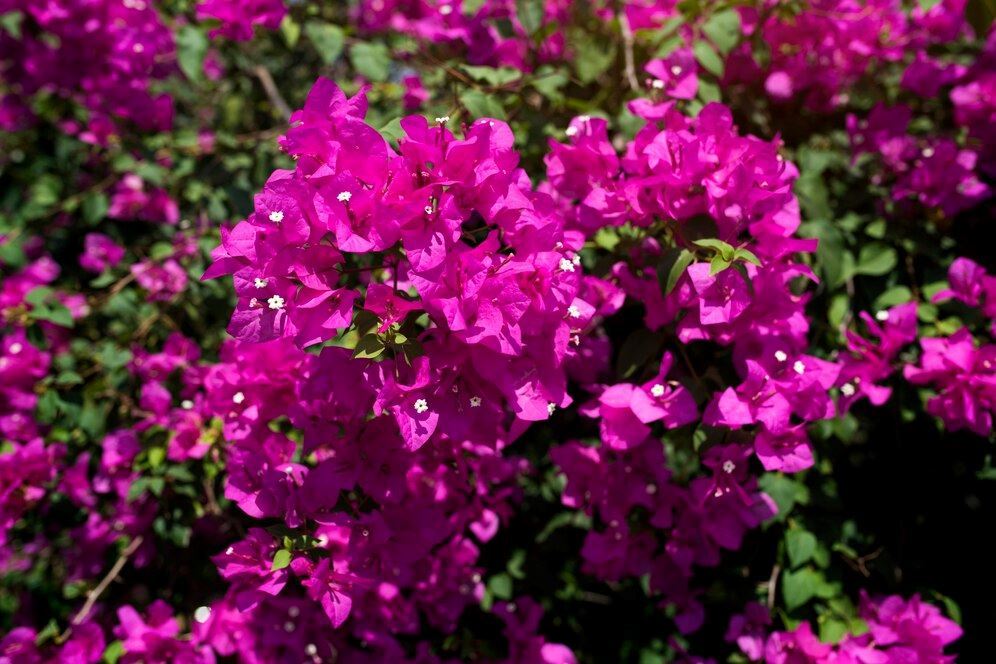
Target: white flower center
202	614
573	311
729	466
882	316
657	390
421	405
259	283
657	84
276	216
550	407
675	70
566	265
428	209
443	119
275	302
475	402
781	355
928	152
344	197
799	367
847	390
16	348
238	397
571	131
446	10
186	404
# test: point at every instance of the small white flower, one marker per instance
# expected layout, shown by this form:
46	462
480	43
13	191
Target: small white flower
475	402
584	118
550	407
446	10
293	612
566	265
675	70
428	209
253	302
343	196
729	466
571	131
651	489
781	355
657	391
799	367
16	348
657	84
882	316
275	302
238	397
443	120
276	216
186	404
259	283
847	390
573	311
421	405
576	259
928	152
138	48
202	614
230	550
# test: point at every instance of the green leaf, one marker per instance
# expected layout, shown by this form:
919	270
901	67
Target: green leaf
530	14
800	586
492	75
800	545
281	559
721	248
11	23
875	259
723	29
685	259
113	652
747	256
718	264
371	59
482	105
191	47
328	39
592	60
291	30
708	58
95	207
636	351
500	586
548	81
369	347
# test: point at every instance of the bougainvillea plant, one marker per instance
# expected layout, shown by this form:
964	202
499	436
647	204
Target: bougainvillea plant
496	331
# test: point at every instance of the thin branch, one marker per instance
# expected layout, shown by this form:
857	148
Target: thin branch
94	595
772	585
627	36
277	99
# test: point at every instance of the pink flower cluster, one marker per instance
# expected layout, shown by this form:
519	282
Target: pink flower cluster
476	32
820	51
934	171
238	18
102	54
898	631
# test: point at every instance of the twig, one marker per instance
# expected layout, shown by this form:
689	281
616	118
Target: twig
277	99
772	585
94	595
627	36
